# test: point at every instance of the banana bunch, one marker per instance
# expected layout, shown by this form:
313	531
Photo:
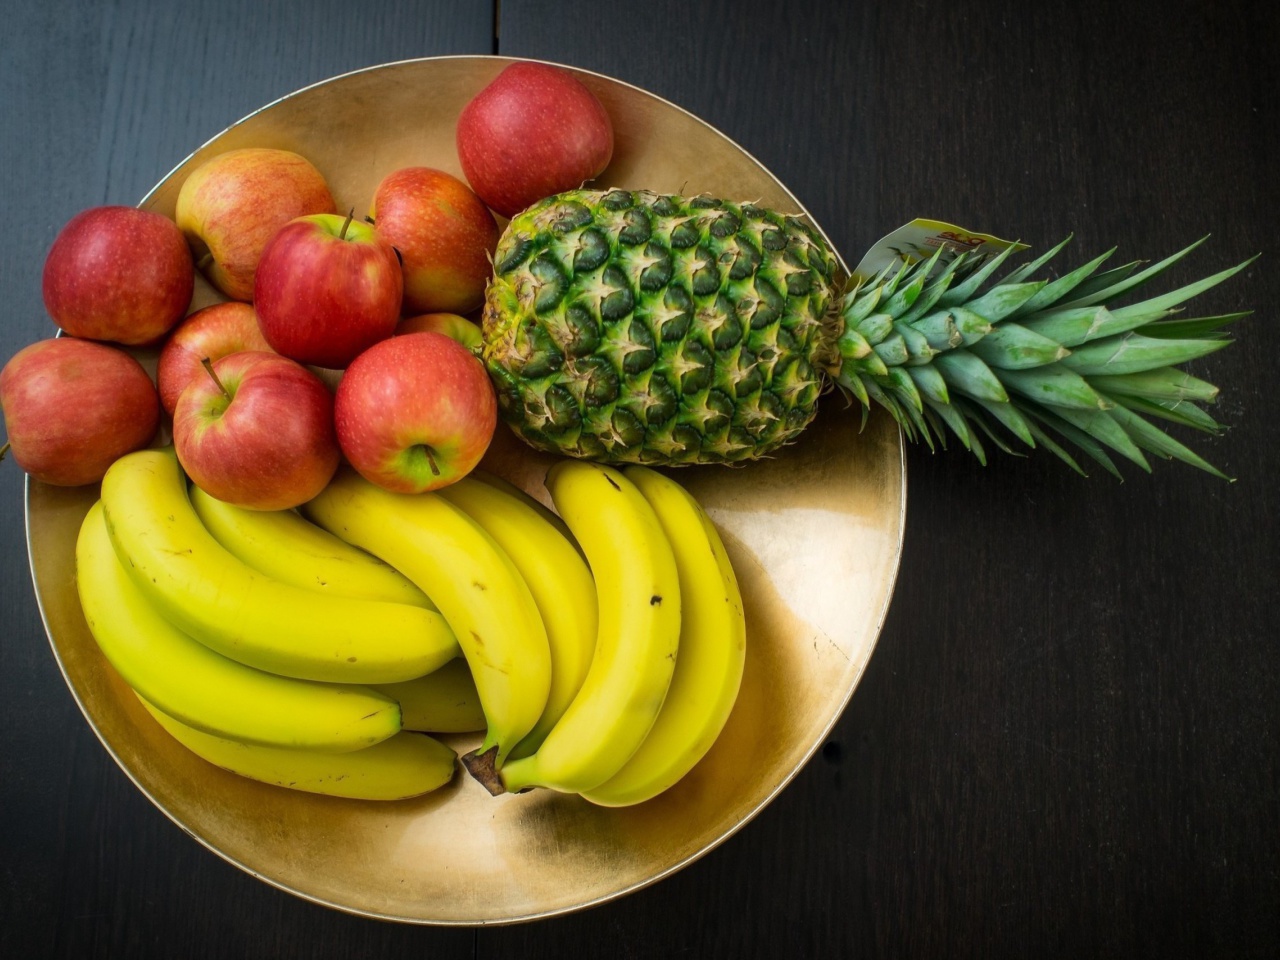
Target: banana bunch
266	645
670	644
598	648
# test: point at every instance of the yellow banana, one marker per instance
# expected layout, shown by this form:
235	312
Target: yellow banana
286	546
197	585
469	577
506	486
444	701
638	596
204	689
406	765
558	578
712	650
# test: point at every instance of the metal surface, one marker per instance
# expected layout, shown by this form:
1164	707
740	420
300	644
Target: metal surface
815	537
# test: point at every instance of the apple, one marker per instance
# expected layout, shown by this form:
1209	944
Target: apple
211	334
119	274
328	287
415	412
533	131
233	204
450	324
73	407
257	431
445	234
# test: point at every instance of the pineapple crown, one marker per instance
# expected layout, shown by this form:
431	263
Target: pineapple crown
1036	361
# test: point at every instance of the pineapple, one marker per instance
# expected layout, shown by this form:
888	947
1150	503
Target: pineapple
634	327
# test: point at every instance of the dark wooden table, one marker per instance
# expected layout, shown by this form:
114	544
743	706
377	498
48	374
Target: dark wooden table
1066	742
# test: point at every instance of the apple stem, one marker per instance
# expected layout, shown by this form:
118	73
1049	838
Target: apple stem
342	234
4	450
208	366
435	470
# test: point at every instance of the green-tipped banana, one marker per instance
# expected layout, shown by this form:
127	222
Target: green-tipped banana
204	689
406	765
558	578
639	602
196	584
713	644
444	701
469	577
285	545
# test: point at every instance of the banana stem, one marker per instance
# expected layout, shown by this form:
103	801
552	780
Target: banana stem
482	767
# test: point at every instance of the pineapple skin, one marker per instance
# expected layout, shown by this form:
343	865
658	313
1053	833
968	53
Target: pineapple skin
633	327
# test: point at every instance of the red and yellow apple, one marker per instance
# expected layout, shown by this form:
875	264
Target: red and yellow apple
445	234
328	287
232	205
415	412
119	274
450	324
257	431
73	407
210	333
533	131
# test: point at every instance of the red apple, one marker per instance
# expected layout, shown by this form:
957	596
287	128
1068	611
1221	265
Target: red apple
415	412
258	432
72	407
233	204
450	324
210	333
445	234
118	273
534	131
328	287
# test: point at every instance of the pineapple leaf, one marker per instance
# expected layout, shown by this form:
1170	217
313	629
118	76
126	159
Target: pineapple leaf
1054	386
1011	418
969	287
1187	327
1074	435
931	294
1018	274
1011	346
969	375
1055	290
1107	294
1174	297
1162	383
1134	353
1175	411
1004	300
1100	425
1155	440
930	382
1105	280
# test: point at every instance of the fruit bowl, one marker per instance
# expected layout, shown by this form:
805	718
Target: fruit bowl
815	536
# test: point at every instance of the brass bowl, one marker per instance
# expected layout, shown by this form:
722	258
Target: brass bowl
815	536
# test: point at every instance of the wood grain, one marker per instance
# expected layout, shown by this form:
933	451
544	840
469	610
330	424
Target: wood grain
1066	742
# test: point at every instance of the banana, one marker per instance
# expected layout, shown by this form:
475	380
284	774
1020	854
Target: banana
205	689
506	486
202	589
469	577
406	765
284	545
713	643
444	701
639	602
559	579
